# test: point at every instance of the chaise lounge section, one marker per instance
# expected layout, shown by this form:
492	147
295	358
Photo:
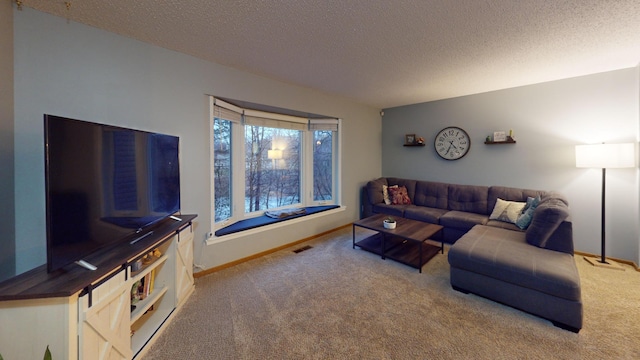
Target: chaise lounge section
510	245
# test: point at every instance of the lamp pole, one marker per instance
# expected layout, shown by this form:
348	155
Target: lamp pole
602	232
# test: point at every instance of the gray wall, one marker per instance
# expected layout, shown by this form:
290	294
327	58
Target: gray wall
7	218
548	120
76	71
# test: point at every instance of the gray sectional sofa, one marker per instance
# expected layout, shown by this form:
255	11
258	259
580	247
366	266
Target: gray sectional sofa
527	267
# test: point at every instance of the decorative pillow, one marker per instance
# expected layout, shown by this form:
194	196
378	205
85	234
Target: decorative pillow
526	216
385	193
507	211
546	219
399	195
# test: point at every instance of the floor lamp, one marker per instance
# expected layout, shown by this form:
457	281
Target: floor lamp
605	156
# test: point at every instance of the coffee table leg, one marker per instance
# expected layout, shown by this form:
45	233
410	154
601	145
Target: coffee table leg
382	246
420	264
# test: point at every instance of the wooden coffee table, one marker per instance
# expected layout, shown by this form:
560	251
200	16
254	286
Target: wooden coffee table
405	244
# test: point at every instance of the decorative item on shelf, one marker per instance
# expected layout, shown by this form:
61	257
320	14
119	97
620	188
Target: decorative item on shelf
500	137
410	139
151	256
413	140
389	223
136	292
136	265
146	260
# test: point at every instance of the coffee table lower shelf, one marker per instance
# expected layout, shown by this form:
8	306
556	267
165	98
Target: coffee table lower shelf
399	249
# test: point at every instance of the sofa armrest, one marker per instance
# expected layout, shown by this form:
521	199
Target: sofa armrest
366	208
562	239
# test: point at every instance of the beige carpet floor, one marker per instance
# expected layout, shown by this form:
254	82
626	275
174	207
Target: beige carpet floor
334	302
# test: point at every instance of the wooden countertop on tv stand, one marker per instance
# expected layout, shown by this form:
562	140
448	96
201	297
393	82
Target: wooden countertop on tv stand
38	283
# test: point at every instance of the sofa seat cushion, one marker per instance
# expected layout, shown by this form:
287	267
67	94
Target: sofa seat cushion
394	210
462	220
426	214
503	225
505	255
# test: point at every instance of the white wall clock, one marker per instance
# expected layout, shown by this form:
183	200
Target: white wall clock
452	143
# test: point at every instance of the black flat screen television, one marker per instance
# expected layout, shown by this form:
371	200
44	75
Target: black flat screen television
105	186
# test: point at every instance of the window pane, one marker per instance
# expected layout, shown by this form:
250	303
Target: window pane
222	168
272	174
322	165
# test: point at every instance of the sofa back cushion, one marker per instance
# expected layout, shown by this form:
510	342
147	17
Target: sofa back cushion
374	190
431	194
553	195
469	198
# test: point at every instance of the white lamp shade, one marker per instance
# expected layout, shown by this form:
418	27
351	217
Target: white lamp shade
605	156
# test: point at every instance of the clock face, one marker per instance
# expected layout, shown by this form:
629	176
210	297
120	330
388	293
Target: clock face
452	143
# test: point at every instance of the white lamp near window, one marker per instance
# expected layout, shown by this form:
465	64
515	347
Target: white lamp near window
605	156
274	154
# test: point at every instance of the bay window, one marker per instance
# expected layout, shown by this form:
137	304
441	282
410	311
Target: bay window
266	160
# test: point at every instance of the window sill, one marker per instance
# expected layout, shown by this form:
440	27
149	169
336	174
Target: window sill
218	239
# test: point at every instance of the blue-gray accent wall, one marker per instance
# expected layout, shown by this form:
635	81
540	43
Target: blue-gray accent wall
547	120
7	202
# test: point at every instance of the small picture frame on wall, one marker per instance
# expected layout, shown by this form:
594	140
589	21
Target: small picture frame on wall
410	139
499	136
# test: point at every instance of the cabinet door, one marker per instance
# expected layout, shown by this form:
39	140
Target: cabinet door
104	324
28	327
184	265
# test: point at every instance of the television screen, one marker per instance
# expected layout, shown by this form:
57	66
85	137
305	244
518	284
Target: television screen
104	185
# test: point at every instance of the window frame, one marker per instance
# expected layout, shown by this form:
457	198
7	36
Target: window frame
238	166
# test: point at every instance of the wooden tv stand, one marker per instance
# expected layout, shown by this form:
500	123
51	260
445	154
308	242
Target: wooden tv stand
84	314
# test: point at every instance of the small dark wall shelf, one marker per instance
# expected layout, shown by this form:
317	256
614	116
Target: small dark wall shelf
500	142
416	144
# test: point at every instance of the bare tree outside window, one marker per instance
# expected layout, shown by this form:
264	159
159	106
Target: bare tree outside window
222	168
271	182
322	165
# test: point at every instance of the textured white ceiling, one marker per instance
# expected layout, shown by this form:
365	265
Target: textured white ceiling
383	53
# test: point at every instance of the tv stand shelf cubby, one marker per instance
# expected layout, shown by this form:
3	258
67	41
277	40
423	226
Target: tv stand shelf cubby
113	312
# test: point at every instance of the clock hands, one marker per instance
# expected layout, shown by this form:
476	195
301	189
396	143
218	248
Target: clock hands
451	146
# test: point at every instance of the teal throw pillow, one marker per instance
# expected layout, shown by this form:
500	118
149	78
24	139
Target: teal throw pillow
524	220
